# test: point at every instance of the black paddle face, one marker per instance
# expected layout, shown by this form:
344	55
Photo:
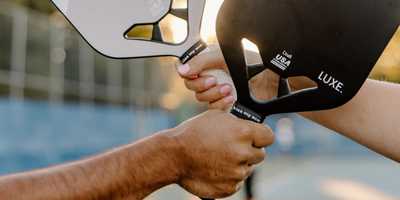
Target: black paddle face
334	43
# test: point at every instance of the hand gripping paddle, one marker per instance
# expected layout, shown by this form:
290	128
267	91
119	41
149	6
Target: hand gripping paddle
334	43
104	25
107	26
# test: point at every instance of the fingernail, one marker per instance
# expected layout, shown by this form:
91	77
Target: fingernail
225	90
184	69
229	99
210	82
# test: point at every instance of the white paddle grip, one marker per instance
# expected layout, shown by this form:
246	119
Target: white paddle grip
222	78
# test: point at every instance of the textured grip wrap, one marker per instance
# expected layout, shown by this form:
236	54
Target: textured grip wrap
222	78
244	113
194	51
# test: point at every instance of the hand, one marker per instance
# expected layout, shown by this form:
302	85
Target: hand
209	155
263	86
218	152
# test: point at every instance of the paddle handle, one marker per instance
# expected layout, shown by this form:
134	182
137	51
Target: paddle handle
222	78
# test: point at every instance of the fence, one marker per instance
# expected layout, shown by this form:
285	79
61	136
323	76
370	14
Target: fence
42	57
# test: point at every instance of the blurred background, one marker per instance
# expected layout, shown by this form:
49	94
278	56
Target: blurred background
61	101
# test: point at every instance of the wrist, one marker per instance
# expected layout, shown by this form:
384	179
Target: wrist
182	154
149	165
172	151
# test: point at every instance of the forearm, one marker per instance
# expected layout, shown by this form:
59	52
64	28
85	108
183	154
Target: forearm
371	118
131	172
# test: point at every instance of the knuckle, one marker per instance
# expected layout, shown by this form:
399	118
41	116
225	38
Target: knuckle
246	130
250	171
201	97
215	94
197	86
272	139
194	84
263	154
243	158
201	63
268	129
260	156
195	62
255	157
232	189
240	174
188	84
228	190
241	132
266	137
270	136
208	95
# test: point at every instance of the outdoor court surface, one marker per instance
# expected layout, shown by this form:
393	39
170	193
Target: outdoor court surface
38	134
328	178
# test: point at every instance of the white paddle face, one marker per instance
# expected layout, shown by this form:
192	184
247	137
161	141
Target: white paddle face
104	24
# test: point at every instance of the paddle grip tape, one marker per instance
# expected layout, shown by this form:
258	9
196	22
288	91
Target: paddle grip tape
244	113
193	51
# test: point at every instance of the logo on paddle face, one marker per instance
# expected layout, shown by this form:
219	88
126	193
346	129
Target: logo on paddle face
331	82
282	61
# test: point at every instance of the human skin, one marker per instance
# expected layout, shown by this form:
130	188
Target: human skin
209	155
371	118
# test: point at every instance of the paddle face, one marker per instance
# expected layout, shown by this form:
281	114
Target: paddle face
334	43
106	25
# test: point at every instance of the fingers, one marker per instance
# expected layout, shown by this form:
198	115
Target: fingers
253	157
262	136
218	189
242	173
227	189
201	84
257	156
206	85
223	103
206	89
259	137
207	60
214	94
212	59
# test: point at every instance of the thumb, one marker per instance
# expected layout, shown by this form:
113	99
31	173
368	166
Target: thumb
211	59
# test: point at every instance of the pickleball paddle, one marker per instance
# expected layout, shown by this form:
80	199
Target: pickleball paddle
334	43
134	28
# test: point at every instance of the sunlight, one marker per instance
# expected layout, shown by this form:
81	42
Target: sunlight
208	27
208	32
179	30
179	27
248	45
